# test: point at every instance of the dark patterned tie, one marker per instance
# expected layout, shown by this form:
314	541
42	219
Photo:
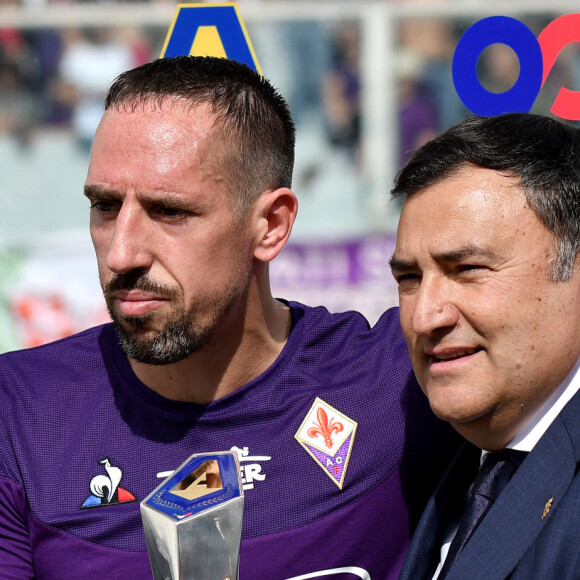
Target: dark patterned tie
492	477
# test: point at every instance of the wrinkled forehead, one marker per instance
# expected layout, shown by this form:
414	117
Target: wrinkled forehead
469	189
163	146
474	203
172	128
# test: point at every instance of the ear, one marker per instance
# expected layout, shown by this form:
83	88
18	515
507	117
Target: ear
276	212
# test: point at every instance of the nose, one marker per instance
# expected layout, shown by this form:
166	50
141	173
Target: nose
434	307
129	247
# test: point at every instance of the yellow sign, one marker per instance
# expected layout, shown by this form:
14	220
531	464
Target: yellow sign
210	30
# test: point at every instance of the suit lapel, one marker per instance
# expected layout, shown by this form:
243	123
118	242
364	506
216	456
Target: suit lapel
515	520
427	539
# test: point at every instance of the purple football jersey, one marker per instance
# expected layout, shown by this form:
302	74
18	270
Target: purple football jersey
338	448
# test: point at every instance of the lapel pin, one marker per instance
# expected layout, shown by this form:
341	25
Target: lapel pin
547	507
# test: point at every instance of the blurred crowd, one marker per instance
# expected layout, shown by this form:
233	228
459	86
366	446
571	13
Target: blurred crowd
427	103
57	78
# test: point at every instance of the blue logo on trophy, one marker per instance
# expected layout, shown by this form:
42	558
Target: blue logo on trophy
193	520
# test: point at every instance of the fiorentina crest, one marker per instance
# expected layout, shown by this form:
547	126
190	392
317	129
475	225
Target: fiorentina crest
328	436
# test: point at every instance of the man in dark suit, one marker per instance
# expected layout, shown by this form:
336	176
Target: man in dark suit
489	286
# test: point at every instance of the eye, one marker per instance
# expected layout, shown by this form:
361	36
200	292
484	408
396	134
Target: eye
171	213
470	272
103	206
408	277
470	267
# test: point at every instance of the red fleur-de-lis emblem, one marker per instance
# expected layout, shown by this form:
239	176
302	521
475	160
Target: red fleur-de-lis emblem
324	428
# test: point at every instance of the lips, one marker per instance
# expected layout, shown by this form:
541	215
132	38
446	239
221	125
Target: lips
136	303
453	355
448	358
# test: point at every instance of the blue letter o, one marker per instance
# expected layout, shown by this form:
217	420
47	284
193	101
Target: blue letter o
500	30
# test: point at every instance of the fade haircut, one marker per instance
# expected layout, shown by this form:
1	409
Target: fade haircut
254	123
540	152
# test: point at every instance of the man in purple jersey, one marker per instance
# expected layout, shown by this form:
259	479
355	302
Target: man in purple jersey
189	183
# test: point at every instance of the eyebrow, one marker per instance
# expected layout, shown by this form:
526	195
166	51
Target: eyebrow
401	265
469	251
100	193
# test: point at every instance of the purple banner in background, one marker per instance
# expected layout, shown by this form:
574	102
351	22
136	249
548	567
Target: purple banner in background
55	291
340	274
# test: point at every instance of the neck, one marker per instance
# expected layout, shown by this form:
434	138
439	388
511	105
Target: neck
244	345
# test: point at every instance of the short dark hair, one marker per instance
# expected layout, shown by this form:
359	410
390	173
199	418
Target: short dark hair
256	127
543	153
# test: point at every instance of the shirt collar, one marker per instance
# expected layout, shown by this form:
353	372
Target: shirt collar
538	423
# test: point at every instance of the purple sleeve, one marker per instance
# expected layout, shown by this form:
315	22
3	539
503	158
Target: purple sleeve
15	553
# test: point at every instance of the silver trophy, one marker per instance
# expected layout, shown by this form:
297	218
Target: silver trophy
193	520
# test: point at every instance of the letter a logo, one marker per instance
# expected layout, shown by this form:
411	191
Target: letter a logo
210	30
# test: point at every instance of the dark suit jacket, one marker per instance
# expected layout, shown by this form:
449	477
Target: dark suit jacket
516	539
